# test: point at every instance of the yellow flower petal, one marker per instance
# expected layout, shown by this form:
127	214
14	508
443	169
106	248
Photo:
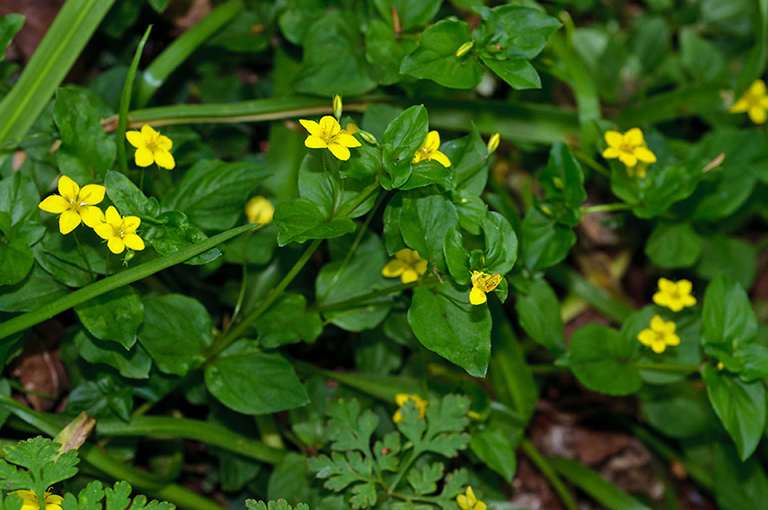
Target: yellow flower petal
757	88
131	223
480	506
740	106
645	155
409	275
164	159
432	143
461	499
91	194
628	159
394	268
347	140
658	346
611	153
143	157
113	217
135	138
441	158
757	114
164	143
148	132
68	188
329	126
477	296
91	216
104	230
54	204
646	337
315	142
312	127
614	138
339	151
134	242
116	245
68	221
634	137
657	323
402	398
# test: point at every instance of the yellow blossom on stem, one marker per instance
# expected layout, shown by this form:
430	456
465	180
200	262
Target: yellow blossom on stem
151	147
259	210
75	204
674	295
30	501
402	398
327	134
482	283
660	335
120	232
754	102
407	265
630	149
468	501
430	150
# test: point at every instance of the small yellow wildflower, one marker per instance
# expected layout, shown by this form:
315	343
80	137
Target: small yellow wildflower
630	149
430	150
259	210
660	335
151	147
329	135
493	143
468	501
402	398
30	501
120	232
407	265
482	283
754	102
674	295
75	204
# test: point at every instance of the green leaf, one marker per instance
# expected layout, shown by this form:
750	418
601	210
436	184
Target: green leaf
105	397
403	137
213	193
347	428
35	290
500	244
740	407
176	332
9	25
411	13
591	482
425	218
297	18
321	182
385	51
732	256
288	322
754	359
159	5
424	480
600	358
114	316
727	316
443	431
738	484
673	245
65	260
513	31
280	504
545	242
35	464
300	220
563	178
134	363
173	233
495	446
425	173
16	260
334	58
250	381
538	311
19	198
435	56
444	322
469	161
690	407
342	471
128	198
86	152
518	72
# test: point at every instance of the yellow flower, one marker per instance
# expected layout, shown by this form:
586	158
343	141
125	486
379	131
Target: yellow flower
151	147
468	501
630	148
754	102
259	210
429	150
482	283
407	265
674	295
402	398
660	335
329	135
30	501
75	204
119	231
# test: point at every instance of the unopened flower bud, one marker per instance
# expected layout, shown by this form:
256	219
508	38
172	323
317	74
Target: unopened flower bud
493	143
368	137
259	210
464	48
337	106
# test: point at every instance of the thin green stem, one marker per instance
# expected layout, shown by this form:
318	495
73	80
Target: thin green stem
223	341
85	259
617	206
29	319
243	284
404	469
676	368
125	103
549	473
591	163
141	179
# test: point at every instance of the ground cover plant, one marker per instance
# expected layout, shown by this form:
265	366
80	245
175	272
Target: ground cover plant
385	254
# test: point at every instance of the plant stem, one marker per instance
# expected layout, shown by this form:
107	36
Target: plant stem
125	103
549	473
617	206
85	259
223	341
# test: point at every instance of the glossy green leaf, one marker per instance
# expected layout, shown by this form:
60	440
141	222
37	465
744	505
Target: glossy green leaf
538	311
10	24
445	322
673	245
134	363
496	449
114	316
425	218
411	13
128	198
545	243
288	322
173	233
727	316
591	482
403	137
250	381
301	219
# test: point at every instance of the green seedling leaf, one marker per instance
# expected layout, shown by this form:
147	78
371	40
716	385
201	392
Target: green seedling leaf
250	381
442	432
36	464
740	407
